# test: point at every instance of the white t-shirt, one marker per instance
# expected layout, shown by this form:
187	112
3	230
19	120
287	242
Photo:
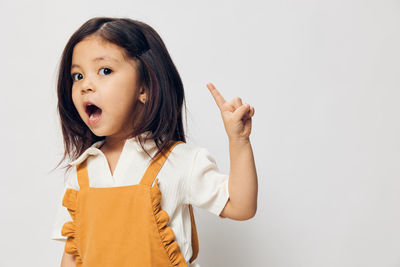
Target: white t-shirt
188	176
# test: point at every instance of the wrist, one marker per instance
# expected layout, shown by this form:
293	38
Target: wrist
239	140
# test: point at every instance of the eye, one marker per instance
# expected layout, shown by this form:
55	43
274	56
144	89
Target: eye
73	76
107	70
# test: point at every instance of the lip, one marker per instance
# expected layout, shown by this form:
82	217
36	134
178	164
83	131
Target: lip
94	121
85	105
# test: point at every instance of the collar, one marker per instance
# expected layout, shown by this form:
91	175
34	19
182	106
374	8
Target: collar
131	142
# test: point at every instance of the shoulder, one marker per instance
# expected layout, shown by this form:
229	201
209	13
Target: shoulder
192	158
187	153
71	179
183	157
185	149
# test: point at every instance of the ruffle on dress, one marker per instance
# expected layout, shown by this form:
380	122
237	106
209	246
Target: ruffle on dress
69	228
166	232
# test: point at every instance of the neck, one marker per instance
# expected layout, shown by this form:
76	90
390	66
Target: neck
114	142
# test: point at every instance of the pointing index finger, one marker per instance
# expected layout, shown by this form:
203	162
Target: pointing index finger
219	99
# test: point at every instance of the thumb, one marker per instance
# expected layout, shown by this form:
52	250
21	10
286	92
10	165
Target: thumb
241	111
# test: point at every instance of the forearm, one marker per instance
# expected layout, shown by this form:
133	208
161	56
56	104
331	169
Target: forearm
243	186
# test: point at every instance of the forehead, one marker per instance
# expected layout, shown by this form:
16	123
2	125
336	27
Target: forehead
92	48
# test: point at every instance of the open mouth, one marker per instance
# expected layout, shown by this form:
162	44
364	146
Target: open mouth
93	112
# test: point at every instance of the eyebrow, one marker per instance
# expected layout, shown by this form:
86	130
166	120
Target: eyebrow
98	59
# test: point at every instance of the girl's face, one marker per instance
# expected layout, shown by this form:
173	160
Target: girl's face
101	76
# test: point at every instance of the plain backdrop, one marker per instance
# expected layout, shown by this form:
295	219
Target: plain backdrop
323	77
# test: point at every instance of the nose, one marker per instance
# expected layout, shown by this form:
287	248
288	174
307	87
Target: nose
87	85
85	90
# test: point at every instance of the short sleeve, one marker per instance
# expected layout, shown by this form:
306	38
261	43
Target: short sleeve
62	215
207	188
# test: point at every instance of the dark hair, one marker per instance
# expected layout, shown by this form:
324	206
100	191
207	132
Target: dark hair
161	114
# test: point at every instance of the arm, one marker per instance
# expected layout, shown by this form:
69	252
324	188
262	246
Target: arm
242	184
68	260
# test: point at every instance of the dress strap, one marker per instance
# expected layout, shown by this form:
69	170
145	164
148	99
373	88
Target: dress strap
83	177
156	164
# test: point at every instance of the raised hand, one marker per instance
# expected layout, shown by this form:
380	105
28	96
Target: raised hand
243	185
235	115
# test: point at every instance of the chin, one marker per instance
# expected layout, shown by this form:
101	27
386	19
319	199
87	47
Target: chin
97	131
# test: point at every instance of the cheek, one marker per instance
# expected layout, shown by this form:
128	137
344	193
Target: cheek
120	104
121	98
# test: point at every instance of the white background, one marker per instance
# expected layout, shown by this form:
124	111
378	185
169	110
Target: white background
323	77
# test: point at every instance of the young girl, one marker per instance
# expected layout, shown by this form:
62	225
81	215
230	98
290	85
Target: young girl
128	197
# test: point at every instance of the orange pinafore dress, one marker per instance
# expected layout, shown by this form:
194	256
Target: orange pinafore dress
122	226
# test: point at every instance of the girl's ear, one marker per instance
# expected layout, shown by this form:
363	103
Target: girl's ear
142	95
